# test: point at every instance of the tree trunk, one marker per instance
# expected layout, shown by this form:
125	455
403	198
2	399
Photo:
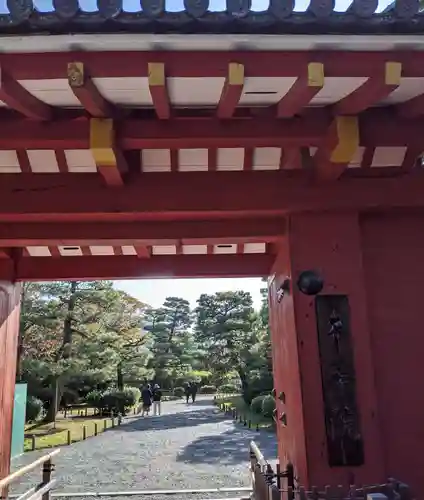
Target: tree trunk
57	390
243	379
119	377
63	353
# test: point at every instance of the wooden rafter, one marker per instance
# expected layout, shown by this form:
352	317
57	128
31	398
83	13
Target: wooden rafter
158	90
231	91
109	159
333	157
18	98
143	251
87	93
302	91
372	91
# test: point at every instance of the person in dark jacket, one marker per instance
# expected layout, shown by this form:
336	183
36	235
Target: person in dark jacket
146	398
157	400
193	391
187	390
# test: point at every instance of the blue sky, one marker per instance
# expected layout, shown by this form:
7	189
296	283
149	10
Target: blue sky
154	292
176	5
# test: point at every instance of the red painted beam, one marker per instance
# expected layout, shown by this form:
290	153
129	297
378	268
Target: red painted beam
142	234
377	127
412	108
158	134
193	195
143	252
209	63
127	267
232	90
87	93
302	91
18	98
158	90
376	88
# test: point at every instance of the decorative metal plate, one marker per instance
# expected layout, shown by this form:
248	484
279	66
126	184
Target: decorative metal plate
66	9
344	440
196	8
321	8
239	8
153	8
20	10
109	9
281	9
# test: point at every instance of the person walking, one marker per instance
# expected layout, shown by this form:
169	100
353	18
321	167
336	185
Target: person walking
187	390
193	391
146	398
157	400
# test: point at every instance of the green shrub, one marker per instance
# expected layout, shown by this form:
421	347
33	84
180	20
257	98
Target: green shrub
94	399
259	385
208	389
179	392
228	389
34	409
256	404
268	406
133	393
113	400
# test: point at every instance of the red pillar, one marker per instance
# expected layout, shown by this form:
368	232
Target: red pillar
10	294
331	245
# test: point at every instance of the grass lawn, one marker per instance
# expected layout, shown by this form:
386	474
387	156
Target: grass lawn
244	410
50	435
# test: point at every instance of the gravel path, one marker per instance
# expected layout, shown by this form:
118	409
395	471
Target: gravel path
189	446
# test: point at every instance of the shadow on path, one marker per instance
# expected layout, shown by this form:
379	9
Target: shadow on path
229	447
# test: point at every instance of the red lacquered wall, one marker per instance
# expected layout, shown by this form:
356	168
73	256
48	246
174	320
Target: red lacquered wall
291	438
330	244
393	256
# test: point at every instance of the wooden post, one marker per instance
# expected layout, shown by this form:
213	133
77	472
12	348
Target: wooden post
46	477
69	438
96	429
104	424
84	432
33	442
10	295
86	412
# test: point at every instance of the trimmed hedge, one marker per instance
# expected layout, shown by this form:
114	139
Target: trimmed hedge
114	401
208	389
256	404
34	409
228	389
268	406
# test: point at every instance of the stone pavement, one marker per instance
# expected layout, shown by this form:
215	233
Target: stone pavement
189	446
